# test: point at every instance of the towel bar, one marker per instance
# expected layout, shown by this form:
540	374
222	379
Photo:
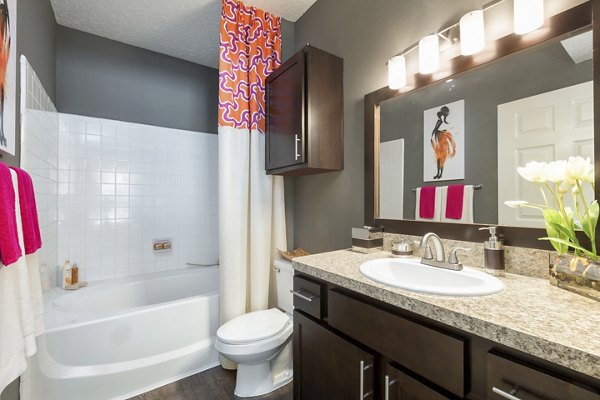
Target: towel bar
475	187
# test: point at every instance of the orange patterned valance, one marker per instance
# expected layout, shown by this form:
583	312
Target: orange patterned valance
250	50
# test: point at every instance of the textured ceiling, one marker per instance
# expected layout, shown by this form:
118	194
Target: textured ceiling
187	29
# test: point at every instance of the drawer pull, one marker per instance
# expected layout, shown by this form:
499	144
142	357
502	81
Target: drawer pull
308	297
363	368
510	395
388	383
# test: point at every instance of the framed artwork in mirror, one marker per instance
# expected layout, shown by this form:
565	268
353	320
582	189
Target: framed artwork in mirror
444	142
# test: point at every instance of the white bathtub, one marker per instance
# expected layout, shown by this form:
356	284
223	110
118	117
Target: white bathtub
119	338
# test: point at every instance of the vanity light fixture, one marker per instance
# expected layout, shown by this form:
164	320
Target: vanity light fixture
429	54
472	35
528	15
397	72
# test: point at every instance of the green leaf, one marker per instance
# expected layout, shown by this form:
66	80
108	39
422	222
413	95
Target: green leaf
590	221
573	245
570	222
565	233
552	218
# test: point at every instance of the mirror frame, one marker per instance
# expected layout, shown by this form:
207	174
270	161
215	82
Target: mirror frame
574	19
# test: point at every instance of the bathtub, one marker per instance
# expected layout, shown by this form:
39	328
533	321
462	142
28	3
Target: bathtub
116	339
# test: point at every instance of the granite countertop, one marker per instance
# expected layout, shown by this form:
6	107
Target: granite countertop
530	315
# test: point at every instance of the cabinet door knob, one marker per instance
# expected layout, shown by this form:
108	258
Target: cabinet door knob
296	154
507	395
363	368
388	383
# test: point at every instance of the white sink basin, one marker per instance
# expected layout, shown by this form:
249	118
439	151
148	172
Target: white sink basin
410	274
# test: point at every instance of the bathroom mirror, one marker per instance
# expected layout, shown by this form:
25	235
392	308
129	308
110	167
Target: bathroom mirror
531	102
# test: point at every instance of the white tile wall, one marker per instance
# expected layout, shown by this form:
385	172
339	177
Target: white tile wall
39	156
121	185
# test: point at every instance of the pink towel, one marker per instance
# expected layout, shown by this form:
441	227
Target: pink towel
454	201
10	251
427	202
31	228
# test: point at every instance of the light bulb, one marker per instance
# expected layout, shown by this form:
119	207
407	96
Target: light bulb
472	35
397	72
529	15
429	54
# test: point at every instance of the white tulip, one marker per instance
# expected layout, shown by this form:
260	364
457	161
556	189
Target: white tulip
589	175
516	203
534	171
579	168
556	171
565	186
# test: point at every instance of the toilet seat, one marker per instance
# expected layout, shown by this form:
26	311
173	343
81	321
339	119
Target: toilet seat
253	327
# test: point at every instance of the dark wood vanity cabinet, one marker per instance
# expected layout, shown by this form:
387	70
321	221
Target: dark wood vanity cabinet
348	346
331	367
304	100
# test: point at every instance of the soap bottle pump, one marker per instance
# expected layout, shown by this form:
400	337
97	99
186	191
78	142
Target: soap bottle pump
493	250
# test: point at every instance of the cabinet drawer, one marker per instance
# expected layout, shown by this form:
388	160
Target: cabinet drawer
506	378
435	356
400	386
308	296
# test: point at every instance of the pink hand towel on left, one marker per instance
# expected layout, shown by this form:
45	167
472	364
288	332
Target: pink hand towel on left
29	217
427	202
10	250
454	201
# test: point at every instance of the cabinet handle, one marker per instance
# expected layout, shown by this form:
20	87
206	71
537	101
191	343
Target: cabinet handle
363	368
296	155
510	395
308	297
388	383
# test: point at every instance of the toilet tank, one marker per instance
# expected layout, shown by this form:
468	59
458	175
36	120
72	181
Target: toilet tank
285	282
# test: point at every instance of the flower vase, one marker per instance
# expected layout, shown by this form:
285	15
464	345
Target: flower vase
576	274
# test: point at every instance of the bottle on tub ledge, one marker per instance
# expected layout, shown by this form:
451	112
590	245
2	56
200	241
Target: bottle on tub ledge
70	277
67	274
75	275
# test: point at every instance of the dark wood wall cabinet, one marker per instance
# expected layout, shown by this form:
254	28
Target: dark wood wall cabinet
305	111
348	346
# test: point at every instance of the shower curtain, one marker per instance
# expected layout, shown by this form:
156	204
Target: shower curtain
251	203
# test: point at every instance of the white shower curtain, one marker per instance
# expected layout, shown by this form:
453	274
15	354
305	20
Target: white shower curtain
251	203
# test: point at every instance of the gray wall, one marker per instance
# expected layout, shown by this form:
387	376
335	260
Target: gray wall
365	34
98	77
11	392
482	90
36	39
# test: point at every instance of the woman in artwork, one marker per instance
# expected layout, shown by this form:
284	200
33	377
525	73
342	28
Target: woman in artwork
5	42
442	142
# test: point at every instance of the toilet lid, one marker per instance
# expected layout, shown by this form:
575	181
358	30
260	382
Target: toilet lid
252	327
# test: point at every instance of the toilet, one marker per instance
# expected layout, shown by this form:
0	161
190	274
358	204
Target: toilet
260	342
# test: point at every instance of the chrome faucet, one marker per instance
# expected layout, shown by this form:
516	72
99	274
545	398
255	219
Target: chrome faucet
440	257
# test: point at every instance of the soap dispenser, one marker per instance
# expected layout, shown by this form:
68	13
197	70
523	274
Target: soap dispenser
493	253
